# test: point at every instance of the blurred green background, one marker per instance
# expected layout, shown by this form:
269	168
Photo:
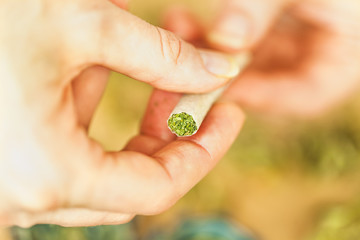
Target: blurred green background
283	180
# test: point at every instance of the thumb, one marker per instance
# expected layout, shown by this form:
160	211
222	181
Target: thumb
129	45
241	23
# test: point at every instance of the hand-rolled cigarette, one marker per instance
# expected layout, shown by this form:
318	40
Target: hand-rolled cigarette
189	113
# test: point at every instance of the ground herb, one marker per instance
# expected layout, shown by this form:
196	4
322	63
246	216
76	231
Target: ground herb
182	124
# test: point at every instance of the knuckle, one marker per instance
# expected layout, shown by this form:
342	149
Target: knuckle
170	46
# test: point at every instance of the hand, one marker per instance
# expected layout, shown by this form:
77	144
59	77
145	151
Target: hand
54	63
306	53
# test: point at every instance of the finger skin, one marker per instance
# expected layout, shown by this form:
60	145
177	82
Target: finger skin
242	24
159	108
154	132
73	217
145	144
215	136
182	22
239	24
121	3
88	89
145	52
151	184
305	85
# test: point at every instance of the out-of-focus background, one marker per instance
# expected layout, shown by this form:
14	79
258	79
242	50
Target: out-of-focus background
281	180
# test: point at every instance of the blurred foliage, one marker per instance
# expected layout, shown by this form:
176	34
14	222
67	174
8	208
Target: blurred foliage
327	146
341	222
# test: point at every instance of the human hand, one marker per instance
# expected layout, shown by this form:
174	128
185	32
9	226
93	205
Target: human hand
54	61
306	53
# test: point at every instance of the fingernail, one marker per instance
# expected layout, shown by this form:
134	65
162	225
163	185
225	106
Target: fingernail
231	31
219	64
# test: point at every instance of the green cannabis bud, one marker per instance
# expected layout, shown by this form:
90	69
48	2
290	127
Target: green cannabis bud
182	124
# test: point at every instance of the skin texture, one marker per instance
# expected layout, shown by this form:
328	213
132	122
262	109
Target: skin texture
306	53
54	63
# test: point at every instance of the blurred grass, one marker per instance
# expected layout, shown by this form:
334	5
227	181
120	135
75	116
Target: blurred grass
279	178
341	222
